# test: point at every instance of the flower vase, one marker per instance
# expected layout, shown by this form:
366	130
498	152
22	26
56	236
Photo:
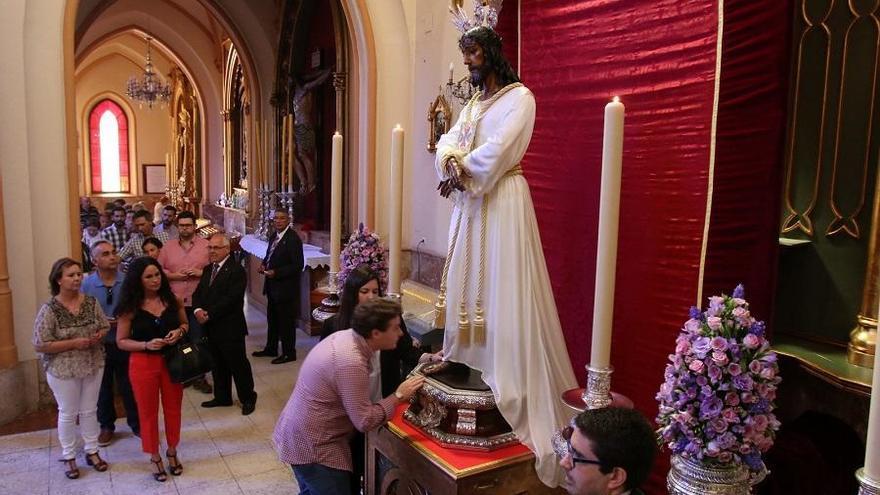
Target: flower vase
691	477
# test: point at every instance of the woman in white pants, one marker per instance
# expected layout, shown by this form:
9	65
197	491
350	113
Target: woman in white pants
67	335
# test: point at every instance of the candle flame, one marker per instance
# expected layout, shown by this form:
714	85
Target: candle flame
616	99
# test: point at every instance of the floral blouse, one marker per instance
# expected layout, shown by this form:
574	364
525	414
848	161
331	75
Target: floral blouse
55	322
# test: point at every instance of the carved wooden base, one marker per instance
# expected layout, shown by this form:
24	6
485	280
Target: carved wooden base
395	466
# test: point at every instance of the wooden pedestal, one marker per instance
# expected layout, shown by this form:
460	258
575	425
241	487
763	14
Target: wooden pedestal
398	464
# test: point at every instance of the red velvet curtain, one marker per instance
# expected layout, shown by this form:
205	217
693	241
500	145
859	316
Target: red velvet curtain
743	235
660	58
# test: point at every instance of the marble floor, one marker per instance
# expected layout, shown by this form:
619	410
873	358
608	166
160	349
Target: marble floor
222	451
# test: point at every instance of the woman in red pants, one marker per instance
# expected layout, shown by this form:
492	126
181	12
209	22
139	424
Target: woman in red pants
151	317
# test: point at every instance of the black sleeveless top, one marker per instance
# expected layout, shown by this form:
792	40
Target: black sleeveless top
145	326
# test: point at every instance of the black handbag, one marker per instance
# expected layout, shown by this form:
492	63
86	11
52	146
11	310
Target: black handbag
187	360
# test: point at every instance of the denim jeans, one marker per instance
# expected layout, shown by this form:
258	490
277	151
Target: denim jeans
316	479
116	371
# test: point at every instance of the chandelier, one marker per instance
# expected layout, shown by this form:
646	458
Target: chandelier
149	90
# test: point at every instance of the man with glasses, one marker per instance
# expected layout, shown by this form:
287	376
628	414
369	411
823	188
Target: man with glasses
104	284
219	308
282	267
183	260
610	452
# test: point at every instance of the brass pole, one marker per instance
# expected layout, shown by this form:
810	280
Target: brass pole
863	338
8	351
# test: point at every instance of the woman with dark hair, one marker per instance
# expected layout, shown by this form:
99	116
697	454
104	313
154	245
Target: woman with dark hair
152	247
150	317
363	285
68	335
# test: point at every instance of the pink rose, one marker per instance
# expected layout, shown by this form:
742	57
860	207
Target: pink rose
692	326
682	346
768	373
720	358
697	366
714	323
731	399
751	341
755	366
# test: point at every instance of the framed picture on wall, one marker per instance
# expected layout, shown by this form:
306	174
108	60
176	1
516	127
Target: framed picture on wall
155	180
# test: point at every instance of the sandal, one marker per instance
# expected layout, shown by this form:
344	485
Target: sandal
175	468
160	475
96	462
72	472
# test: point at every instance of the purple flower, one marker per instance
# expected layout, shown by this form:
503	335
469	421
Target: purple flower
701	346
695	313
693	326
739	292
743	382
714	373
710	407
734	369
757	328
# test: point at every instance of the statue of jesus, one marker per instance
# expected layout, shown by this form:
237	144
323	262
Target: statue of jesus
500	315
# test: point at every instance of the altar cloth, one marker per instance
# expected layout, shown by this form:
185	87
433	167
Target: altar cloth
456	463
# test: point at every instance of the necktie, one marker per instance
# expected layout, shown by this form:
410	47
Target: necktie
214	272
271	250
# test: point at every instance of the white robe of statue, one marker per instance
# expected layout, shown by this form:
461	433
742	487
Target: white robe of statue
524	359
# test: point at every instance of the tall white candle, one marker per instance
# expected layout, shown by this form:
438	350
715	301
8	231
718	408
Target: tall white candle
335	202
606	256
291	149
451	71
397	136
872	452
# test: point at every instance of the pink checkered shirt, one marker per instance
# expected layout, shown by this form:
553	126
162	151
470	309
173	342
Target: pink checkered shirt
174	258
331	398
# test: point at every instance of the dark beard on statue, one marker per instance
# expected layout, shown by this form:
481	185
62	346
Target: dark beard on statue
478	75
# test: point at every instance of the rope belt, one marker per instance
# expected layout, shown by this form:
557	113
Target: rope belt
469	330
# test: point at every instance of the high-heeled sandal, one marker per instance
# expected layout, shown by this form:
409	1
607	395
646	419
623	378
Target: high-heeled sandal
96	462
72	472
159	475
175	468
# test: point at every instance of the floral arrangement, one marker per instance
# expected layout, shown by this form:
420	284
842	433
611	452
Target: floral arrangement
363	248
716	403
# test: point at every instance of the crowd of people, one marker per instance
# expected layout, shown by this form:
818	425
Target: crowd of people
105	330
140	288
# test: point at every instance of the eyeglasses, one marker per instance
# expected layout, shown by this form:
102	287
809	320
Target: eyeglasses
109	295
573	454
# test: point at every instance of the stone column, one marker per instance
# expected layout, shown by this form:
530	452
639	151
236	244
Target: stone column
8	351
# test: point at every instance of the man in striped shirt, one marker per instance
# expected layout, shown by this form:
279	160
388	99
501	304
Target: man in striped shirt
332	398
143	222
115	232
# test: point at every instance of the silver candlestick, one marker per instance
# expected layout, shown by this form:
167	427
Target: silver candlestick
867	485
598	392
264	209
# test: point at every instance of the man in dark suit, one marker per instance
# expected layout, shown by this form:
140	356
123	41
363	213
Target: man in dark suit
219	303
282	267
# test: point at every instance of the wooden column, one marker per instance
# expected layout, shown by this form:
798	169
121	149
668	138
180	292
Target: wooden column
8	351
